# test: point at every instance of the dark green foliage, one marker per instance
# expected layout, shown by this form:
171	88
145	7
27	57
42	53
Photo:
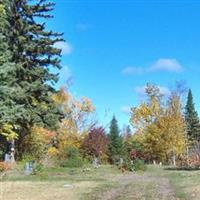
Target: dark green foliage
115	142
72	158
192	119
38	169
127	140
32	48
9	111
27	54
139	165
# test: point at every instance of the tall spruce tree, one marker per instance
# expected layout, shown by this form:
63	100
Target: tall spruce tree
10	112
33	53
115	146
192	119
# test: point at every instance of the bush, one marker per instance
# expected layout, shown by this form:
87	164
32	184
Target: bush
38	169
126	165
72	158
139	165
4	167
36	144
73	162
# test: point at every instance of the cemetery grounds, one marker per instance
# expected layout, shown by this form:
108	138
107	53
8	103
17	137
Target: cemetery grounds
104	183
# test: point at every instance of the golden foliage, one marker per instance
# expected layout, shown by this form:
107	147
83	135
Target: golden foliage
7	130
76	122
160	129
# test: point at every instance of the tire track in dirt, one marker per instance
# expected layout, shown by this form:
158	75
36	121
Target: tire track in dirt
140	187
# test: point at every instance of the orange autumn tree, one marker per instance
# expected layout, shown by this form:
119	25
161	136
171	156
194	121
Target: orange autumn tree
38	143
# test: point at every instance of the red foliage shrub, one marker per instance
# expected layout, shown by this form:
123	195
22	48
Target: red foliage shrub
137	154
194	161
95	143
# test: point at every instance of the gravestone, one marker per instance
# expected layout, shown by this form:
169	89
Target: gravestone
121	162
95	163
68	186
28	169
9	158
10	155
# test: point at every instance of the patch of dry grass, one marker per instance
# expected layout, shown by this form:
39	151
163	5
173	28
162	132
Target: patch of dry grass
26	190
105	183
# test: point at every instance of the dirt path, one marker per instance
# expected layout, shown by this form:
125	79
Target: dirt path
141	187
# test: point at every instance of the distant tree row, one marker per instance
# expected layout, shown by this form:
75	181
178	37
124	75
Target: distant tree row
165	129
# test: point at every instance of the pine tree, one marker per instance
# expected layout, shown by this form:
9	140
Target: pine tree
127	140
33	54
115	146
10	112
191	118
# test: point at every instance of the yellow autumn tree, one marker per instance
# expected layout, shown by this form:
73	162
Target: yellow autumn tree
159	126
77	120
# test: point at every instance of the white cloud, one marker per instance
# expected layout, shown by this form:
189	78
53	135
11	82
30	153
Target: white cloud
65	47
82	27
141	90
166	64
126	109
162	64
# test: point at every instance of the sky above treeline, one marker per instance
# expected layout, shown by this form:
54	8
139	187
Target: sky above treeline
113	48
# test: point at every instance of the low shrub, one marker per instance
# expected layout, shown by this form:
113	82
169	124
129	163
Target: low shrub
72	158
38	169
139	165
73	162
4	166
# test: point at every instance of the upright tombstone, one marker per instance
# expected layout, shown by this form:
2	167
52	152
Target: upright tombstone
7	158
10	155
28	169
121	162
95	162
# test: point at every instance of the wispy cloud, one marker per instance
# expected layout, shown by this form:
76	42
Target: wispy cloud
66	47
162	64
169	65
141	90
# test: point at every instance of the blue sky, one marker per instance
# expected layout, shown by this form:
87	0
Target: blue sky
113	48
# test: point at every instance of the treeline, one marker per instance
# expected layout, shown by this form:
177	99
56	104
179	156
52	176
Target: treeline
167	130
37	122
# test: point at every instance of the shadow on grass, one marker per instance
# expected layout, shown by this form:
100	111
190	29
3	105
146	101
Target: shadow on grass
182	168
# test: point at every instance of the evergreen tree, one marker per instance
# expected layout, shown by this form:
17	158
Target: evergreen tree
191	118
33	53
9	110
127	140
115	146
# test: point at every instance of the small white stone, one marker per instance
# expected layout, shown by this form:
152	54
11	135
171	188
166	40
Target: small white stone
68	186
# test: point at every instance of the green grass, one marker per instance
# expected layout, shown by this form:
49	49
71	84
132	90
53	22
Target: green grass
61	173
182	181
94	183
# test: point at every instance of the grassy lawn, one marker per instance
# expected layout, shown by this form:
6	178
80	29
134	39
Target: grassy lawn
104	183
